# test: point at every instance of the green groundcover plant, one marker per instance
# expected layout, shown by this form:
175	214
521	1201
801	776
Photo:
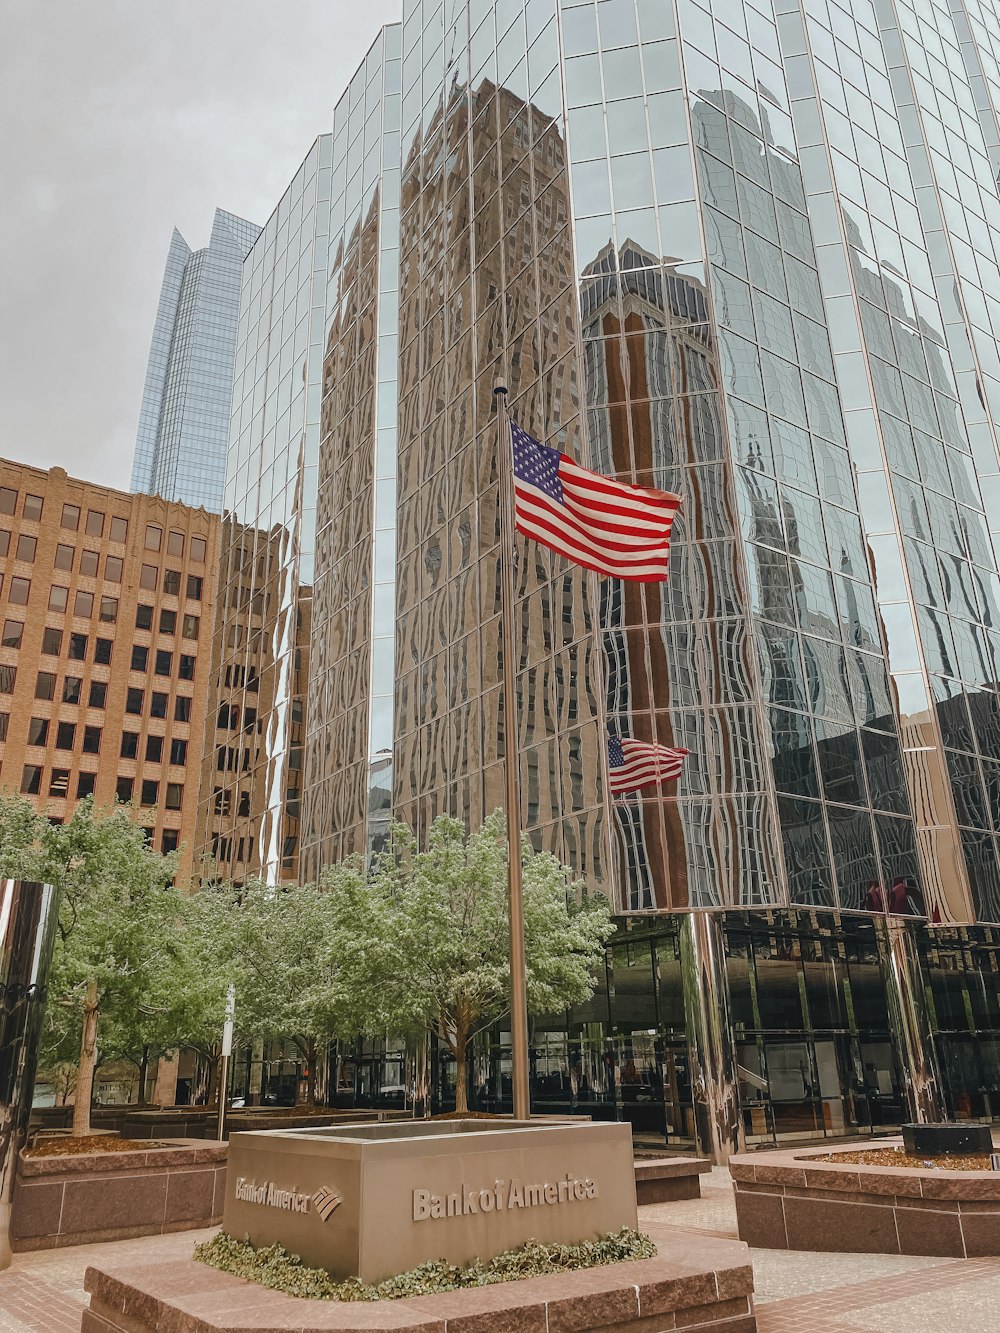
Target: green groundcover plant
275	1267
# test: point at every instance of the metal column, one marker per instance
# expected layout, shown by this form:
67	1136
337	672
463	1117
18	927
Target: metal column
909	1018
718	1122
28	914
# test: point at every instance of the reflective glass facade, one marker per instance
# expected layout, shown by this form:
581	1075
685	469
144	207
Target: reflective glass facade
180	448
746	253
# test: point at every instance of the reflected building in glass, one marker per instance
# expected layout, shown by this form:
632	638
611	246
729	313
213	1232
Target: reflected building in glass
180	446
747	254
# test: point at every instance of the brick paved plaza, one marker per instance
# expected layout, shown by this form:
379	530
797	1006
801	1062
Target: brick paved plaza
796	1292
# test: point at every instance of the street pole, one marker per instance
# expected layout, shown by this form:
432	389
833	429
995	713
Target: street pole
518	976
227	1051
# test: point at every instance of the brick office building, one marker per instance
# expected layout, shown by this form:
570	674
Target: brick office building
106	603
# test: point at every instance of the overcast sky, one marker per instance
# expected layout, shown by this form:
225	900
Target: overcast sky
120	119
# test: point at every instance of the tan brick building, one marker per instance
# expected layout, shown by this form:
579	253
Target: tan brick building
106	602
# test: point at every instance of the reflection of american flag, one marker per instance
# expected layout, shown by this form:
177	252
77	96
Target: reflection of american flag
635	764
326	1201
618	530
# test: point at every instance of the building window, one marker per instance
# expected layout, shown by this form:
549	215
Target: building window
154	749
58	597
70	518
85	784
178	752
133	700
64	556
51	641
26	548
98	694
8	675
83	603
185	667
78	647
102	651
20	591
130	744
113	567
32	507
65	735
38	731
72	689
119	530
154	537
31	778
143	616
92	740
191	626
157	704
194	583
59	782
4	542
198	550
175	795
109	610
8	500
164	662
168	622
124	789
182	708
172	582
90	562
140	657
95	523
175	543
4	722
169	841
147	577
150	791
13	631
45	685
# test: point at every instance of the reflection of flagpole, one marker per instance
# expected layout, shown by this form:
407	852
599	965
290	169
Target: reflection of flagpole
518	976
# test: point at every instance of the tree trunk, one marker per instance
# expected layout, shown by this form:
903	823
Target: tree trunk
143	1075
88	1063
461	1075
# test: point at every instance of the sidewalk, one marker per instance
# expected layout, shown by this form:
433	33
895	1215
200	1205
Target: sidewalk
796	1292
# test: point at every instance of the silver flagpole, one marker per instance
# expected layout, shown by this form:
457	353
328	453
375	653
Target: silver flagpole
518	974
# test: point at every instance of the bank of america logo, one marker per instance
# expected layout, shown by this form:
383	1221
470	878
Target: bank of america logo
326	1202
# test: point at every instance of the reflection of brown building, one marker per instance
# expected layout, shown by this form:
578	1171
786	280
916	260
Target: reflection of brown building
251	769
104	664
486	289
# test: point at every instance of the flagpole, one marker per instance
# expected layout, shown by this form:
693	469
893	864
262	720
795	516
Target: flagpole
518	974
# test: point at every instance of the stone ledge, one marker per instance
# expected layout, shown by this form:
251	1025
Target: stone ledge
696	1283
795	1202
663	1179
181	1152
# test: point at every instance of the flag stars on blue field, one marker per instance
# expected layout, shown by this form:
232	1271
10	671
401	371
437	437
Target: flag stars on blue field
537	464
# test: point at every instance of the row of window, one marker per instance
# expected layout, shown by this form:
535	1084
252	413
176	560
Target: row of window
175	543
65	557
72	693
65	739
154	748
38	734
190	625
33	505
149	577
163	662
52	642
32	777
19	593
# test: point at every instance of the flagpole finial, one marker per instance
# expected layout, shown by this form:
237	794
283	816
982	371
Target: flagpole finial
499	387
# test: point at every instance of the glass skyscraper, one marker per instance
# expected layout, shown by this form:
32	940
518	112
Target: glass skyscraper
747	253
180	446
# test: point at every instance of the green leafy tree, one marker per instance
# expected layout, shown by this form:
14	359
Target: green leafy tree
437	927
118	923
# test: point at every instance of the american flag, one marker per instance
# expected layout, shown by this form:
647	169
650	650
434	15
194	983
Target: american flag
634	764
618	530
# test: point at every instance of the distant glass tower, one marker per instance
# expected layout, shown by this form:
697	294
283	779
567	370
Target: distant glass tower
180	446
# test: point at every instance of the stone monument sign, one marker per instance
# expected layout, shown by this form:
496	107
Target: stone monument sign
375	1200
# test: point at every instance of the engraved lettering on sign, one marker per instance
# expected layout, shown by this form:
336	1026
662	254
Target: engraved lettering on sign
268	1195
502	1196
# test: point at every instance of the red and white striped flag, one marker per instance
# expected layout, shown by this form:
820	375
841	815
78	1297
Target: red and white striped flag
618	530
634	764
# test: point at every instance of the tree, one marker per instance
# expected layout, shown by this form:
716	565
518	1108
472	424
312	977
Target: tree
438	936
118	923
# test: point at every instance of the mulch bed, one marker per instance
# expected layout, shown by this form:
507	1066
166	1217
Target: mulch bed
67	1146
893	1157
